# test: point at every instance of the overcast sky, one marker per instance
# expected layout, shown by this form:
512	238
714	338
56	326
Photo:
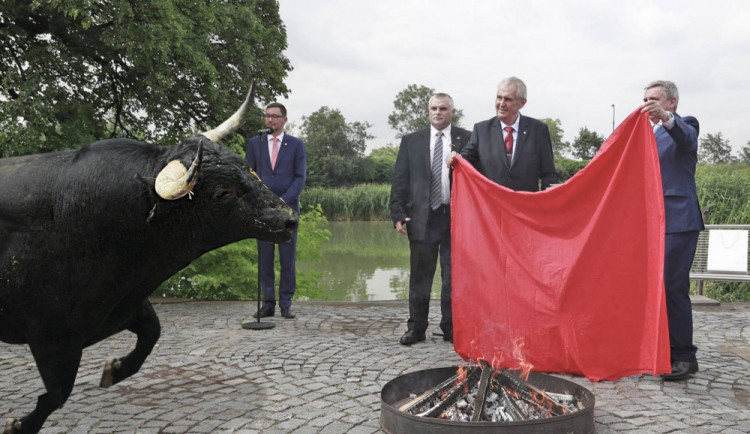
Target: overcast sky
578	58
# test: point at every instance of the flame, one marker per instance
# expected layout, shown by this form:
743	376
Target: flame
462	373
512	393
526	367
495	362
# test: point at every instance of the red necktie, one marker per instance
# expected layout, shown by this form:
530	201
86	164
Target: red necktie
275	152
509	143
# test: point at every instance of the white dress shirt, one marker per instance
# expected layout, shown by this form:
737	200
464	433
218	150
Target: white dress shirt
446	150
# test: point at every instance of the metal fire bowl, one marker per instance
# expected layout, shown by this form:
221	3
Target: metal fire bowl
396	393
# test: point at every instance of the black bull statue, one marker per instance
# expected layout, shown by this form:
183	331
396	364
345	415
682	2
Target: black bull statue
87	235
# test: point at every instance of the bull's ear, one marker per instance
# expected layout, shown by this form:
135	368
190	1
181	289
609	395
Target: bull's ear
175	181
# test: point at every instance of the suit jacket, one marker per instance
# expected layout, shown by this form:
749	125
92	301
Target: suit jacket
410	188
532	154
678	155
288	177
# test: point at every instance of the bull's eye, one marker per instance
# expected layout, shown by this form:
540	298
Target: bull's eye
222	195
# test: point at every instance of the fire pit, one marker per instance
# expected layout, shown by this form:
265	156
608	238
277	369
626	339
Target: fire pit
484	400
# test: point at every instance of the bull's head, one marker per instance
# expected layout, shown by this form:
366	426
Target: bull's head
175	180
227	191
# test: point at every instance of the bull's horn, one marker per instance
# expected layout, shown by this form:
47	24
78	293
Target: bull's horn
175	181
231	124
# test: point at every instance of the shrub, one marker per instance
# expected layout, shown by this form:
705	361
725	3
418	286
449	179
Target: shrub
231	272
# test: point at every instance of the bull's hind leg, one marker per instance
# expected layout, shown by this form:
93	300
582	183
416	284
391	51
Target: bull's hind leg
58	367
145	324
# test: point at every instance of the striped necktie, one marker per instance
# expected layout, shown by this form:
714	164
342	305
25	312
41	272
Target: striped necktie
436	183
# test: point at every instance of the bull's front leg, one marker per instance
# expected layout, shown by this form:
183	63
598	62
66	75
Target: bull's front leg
145	324
58	364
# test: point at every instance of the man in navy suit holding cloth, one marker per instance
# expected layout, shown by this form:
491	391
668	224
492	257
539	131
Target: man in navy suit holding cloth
677	143
281	163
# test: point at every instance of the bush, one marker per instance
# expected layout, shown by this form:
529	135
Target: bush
231	272
724	193
566	168
726	292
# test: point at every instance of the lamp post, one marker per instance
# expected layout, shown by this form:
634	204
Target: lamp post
613	117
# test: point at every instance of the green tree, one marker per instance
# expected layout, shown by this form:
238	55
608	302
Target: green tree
745	153
714	149
586	144
411	110
334	147
382	162
559	146
75	71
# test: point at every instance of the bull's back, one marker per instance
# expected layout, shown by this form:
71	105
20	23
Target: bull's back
54	210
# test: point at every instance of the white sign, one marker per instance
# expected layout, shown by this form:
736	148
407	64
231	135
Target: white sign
727	251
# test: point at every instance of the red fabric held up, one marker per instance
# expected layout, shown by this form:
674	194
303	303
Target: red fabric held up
570	279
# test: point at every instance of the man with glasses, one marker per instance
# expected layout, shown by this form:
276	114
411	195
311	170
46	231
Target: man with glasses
280	161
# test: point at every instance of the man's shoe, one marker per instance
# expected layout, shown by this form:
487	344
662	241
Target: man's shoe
264	312
412	337
681	370
448	337
287	313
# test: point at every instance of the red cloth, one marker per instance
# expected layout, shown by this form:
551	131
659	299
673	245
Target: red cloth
570	279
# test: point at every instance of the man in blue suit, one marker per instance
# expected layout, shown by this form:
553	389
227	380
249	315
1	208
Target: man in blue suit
677	143
280	161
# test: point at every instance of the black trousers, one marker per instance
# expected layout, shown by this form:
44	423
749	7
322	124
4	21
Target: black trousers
679	249
423	262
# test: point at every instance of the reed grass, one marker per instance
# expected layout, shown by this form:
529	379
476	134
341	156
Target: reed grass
363	202
724	193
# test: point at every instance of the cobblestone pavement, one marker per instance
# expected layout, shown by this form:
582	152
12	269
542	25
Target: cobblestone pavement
323	372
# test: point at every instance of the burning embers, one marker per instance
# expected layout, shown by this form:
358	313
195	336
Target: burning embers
485	394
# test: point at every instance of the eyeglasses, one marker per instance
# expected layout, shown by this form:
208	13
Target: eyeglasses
267	116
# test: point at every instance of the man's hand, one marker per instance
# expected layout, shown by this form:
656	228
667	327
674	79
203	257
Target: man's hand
450	158
655	111
401	226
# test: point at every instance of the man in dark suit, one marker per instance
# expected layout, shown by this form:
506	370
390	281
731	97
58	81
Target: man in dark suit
677	143
511	149
420	209
280	161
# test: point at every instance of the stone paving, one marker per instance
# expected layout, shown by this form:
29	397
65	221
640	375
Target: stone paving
323	372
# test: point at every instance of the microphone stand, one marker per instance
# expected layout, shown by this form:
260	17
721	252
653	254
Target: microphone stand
258	325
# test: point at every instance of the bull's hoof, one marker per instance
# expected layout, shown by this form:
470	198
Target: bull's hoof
108	376
12	426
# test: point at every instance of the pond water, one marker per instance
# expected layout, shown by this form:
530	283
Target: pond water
365	261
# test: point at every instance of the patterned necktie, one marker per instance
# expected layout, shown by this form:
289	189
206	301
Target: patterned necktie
275	152
509	143
436	183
